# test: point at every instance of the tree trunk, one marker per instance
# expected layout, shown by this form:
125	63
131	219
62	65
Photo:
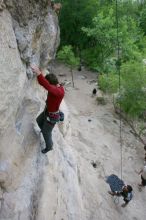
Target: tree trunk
72	77
130	123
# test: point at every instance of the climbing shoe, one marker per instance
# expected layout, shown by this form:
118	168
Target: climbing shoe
44	151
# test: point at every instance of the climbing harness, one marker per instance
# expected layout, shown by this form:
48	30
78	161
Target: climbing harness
53	117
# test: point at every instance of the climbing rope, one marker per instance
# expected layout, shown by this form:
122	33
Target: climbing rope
119	74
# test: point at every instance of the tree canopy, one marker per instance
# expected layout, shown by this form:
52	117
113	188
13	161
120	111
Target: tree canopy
90	27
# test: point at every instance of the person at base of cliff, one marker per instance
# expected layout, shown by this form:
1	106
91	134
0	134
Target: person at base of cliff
94	91
126	193
143	176
48	118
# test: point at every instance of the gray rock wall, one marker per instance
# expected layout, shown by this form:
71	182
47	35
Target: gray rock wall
28	33
36	29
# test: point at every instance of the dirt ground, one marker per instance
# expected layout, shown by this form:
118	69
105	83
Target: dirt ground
98	151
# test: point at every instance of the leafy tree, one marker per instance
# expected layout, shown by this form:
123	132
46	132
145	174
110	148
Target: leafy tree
108	83
66	55
74	15
90	27
96	44
143	19
133	95
104	35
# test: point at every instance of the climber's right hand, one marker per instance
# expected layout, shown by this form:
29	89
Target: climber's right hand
36	70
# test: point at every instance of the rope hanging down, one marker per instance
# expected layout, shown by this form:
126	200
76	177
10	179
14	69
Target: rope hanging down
118	63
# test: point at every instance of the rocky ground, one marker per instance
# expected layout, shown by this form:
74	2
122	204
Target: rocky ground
95	142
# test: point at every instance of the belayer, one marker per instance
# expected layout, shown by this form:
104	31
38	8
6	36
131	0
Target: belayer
126	193
118	188
51	114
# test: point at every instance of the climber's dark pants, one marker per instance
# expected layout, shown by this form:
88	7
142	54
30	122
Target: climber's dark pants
46	129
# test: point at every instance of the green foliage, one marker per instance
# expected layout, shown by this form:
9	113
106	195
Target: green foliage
74	15
90	26
66	55
104	35
142	46
143	19
101	100
109	83
133	95
92	59
129	36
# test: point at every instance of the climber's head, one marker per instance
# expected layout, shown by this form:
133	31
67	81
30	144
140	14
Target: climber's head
127	188
52	79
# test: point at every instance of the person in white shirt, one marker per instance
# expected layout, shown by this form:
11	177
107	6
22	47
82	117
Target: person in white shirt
143	176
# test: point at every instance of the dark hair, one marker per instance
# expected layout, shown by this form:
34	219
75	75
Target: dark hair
129	188
52	79
52	4
144	147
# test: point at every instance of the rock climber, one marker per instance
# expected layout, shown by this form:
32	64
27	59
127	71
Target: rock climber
51	114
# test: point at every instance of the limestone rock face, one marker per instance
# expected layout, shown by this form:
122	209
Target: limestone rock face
12	73
36	30
2	5
28	33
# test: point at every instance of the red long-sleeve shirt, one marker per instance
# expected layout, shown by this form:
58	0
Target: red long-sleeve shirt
55	94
